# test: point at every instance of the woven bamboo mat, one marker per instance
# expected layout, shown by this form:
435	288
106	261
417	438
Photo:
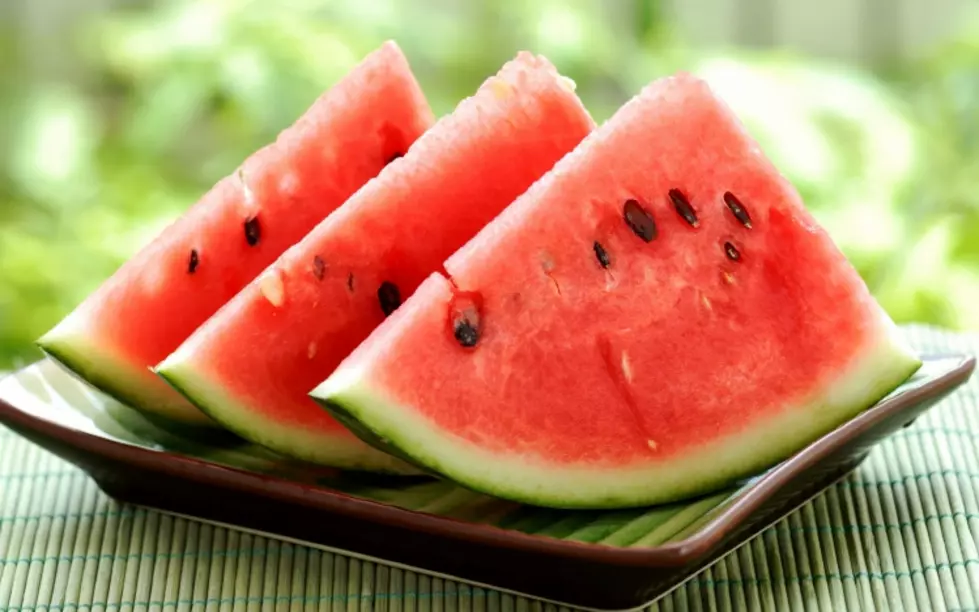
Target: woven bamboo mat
901	533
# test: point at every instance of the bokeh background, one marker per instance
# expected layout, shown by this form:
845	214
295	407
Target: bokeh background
118	114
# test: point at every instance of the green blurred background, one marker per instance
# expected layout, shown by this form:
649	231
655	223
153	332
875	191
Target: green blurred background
117	114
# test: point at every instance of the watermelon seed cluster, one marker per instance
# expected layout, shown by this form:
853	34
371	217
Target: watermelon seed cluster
253	232
601	254
272	287
464	316
465	332
388	296
732	252
683	208
319	267
194	261
639	220
737	209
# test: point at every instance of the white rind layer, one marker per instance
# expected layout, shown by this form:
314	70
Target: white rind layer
339	449
873	373
73	347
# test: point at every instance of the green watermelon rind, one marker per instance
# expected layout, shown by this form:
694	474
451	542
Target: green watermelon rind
379	420
115	377
370	438
314	447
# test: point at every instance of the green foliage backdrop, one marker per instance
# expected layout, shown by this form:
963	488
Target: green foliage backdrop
167	98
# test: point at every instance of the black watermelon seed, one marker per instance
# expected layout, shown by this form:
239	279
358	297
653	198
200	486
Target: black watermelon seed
465	332
194	261
319	267
639	220
252	231
683	208
389	297
350	281
732	252
601	254
394	157
737	209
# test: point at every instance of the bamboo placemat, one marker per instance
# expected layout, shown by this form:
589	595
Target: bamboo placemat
901	533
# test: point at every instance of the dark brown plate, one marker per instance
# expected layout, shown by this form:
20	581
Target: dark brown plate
600	560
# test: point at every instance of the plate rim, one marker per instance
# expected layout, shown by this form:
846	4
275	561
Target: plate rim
690	548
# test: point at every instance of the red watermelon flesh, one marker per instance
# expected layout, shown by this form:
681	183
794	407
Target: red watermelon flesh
253	364
161	294
659	316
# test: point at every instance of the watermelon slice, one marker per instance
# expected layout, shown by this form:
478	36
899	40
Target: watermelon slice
252	365
659	316
160	295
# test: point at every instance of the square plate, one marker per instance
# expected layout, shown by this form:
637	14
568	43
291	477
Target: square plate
593	559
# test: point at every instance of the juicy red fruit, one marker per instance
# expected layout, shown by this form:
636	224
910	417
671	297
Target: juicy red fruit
167	289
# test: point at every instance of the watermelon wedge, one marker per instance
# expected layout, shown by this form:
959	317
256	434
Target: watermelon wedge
252	365
161	294
657	317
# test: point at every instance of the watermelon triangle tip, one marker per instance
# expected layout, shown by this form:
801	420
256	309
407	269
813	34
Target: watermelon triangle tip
43	341
390	45
168	373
